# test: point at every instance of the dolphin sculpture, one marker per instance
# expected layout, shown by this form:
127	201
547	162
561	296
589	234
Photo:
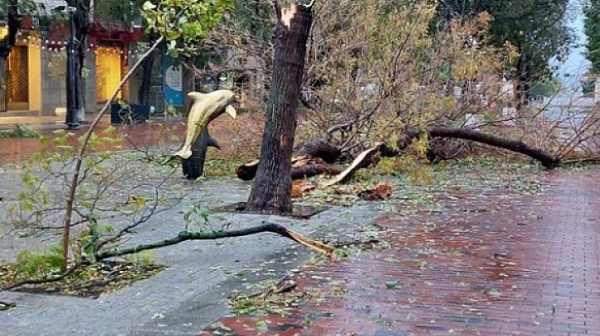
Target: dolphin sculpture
206	108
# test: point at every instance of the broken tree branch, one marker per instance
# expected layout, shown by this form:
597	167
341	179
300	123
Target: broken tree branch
59	277
213	235
80	156
247	171
546	159
363	160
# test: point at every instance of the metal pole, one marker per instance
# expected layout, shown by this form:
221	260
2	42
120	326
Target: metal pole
72	120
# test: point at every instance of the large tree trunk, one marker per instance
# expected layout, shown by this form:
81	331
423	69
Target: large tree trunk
520	79
271	191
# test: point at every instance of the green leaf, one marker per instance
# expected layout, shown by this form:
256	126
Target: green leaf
392	285
262	326
148	6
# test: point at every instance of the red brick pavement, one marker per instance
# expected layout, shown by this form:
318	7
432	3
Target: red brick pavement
493	264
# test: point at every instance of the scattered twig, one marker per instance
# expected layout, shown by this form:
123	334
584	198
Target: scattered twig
6	305
59	277
357	242
283	286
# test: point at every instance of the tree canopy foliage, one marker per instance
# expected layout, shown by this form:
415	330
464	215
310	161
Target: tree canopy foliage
536	27
592	30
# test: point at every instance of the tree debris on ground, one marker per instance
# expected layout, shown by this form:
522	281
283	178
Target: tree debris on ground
379	192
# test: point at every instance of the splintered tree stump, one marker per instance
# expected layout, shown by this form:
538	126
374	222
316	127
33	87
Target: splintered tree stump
272	188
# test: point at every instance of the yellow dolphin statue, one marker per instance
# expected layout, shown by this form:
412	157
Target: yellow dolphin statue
206	108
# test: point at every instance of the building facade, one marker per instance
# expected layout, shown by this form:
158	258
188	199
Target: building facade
35	71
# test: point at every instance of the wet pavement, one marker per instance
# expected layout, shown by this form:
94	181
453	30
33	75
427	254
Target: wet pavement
484	263
482	253
239	136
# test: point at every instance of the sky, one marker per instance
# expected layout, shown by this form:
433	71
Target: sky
576	64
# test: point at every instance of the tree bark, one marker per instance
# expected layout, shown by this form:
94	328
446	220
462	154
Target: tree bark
546	159
214	235
321	149
522	76
271	191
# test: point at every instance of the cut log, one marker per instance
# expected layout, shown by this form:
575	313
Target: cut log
247	171
301	169
310	170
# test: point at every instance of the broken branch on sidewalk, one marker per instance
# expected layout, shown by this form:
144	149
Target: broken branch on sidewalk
214	235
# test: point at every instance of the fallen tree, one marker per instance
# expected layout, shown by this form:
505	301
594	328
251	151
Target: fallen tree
318	155
546	159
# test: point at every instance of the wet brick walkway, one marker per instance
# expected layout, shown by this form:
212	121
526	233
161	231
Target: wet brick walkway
488	264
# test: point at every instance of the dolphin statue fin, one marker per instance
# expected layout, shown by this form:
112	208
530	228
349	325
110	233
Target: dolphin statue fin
197	95
212	142
231	111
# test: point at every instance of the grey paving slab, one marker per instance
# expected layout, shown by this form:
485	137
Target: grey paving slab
192	292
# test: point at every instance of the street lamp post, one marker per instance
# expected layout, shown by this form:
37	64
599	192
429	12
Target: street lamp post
72	119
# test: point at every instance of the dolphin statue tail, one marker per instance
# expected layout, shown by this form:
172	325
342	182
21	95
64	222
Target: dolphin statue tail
193	128
192	133
185	152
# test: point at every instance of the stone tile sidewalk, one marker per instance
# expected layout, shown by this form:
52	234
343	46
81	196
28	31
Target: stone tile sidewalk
193	290
486	264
